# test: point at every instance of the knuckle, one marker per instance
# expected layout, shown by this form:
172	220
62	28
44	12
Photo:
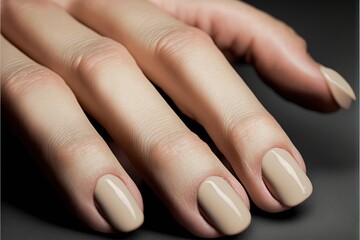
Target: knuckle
168	151
248	129
14	8
297	38
71	147
290	31
181	41
93	58
18	81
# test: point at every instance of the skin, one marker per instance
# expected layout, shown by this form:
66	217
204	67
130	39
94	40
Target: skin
61	69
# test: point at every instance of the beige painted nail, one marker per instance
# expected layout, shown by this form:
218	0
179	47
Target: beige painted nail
288	182
339	87
117	204
222	206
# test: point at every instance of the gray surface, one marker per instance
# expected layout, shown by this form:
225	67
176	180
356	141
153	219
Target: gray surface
328	143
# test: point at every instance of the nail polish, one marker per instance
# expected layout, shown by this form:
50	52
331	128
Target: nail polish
117	204
339	88
222	206
288	182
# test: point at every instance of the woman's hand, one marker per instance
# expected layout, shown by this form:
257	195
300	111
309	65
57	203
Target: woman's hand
97	57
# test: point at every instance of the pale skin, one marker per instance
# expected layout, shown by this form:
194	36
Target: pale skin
61	68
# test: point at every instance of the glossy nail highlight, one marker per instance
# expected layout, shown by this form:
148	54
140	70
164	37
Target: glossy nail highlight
340	89
223	207
288	182
117	204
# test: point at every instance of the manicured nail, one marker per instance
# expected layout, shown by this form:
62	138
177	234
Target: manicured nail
117	204
288	182
222	206
339	87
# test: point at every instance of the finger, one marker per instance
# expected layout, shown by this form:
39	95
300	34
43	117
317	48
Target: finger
70	151
211	93
278	53
179	166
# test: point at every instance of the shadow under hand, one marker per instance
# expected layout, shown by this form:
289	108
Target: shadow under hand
292	214
25	187
157	216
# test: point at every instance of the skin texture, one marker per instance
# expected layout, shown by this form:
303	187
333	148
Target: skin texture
61	59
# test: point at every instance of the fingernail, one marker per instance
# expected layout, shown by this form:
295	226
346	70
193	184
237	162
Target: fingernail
117	204
288	182
222	206
339	87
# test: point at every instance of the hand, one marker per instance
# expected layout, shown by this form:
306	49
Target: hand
82	71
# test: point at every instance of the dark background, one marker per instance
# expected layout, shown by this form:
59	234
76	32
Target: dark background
329	144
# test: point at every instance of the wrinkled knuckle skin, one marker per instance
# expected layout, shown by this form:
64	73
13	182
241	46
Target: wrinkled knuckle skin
169	151
13	8
182	41
252	130
92	60
70	147
18	81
